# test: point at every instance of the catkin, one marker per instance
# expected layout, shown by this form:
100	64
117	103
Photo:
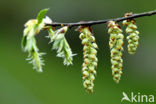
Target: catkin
133	36
89	56
33	27
61	45
116	48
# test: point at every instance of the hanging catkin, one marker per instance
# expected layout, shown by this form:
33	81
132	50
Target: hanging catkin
116	48
133	36
89	56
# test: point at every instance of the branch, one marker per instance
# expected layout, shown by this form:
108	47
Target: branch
89	23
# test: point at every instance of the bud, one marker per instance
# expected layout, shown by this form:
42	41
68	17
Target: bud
92	77
93	50
86	61
129	30
95	45
85	73
95	64
91	68
82	36
84	41
92	38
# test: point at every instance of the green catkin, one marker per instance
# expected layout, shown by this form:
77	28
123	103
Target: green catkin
29	44
32	28
89	56
35	57
133	36
116	48
61	45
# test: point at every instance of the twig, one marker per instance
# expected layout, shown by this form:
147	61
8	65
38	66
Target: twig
89	23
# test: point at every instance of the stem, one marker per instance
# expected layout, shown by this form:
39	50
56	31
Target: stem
89	23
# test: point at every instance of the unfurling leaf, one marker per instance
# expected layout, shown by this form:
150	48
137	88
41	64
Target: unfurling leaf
41	15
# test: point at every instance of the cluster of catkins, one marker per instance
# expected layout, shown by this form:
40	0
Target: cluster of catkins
60	44
89	56
117	41
32	28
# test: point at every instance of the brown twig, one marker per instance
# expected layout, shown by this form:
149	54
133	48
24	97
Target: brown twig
89	23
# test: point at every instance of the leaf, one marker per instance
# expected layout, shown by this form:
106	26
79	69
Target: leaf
41	15
24	41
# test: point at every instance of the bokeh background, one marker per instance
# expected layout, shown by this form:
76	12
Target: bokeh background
58	84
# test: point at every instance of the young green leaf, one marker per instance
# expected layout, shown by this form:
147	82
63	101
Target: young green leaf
24	42
41	15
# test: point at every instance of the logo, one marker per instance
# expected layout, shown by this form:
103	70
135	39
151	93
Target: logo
137	97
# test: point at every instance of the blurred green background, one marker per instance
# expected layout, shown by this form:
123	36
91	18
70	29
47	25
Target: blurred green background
59	84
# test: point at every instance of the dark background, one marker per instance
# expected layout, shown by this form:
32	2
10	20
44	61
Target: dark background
59	84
